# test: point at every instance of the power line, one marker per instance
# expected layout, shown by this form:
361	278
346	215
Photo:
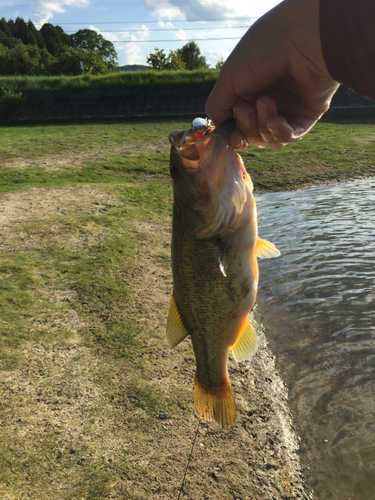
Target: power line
179	40
153	22
174	29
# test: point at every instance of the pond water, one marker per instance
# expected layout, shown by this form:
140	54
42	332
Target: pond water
317	302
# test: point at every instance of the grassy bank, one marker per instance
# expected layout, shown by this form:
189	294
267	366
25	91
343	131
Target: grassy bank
112	153
93	404
149	78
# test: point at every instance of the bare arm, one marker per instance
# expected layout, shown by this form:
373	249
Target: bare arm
275	82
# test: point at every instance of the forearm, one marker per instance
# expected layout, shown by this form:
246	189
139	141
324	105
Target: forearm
347	31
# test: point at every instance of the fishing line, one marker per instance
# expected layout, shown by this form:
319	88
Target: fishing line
187	466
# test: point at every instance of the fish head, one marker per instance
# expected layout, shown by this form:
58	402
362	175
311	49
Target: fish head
210	182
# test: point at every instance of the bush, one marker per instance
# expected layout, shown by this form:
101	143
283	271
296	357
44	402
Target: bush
10	102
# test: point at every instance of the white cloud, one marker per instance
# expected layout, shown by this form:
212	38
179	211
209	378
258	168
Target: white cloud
162	24
181	35
214	56
143	32
165	9
108	36
130	52
208	9
47	8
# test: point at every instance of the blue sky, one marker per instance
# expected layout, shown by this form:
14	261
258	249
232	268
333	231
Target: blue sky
137	27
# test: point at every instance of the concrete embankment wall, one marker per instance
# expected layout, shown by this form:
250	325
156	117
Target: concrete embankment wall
143	102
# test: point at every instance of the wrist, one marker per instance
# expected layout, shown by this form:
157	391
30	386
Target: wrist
301	22
307	65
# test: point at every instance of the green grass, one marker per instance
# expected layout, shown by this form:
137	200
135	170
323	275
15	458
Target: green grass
150	78
36	141
330	151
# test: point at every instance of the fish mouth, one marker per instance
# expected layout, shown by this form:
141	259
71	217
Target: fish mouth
185	142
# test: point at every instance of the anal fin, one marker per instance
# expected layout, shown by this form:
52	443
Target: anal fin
176	331
246	344
266	250
216	405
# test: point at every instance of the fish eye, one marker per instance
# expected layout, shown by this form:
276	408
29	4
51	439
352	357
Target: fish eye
174	171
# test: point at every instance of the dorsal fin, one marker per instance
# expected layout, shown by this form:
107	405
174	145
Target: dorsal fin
246	344
176	332
266	249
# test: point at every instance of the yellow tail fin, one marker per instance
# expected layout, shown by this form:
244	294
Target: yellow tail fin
218	405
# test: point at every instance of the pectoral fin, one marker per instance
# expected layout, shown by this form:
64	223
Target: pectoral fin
246	344
176	332
266	249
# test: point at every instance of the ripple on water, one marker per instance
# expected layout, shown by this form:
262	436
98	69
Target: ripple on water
318	302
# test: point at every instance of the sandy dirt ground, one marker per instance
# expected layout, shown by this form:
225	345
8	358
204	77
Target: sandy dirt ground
59	382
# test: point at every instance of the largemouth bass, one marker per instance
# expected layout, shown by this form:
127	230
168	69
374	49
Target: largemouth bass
215	246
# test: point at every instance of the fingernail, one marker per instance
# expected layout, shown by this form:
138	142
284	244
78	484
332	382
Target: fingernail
274	129
236	138
262	111
241	145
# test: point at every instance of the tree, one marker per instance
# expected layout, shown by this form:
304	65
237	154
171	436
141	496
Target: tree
188	57
55	38
39	40
17	60
22	31
8	41
159	60
69	62
24	59
26	51
191	55
175	61
90	40
4	27
219	63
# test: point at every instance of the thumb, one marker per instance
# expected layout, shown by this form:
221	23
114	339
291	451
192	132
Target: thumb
221	101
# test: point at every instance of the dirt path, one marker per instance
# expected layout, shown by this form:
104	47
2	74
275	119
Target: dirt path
65	398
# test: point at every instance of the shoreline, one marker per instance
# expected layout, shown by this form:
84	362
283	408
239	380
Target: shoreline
297	186
270	380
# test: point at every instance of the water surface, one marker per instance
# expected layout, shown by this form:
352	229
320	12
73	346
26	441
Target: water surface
317	302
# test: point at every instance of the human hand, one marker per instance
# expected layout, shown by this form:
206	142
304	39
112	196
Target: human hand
275	82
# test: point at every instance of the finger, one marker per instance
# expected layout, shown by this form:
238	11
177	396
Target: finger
246	118
237	140
266	108
220	102
275	130
284	132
